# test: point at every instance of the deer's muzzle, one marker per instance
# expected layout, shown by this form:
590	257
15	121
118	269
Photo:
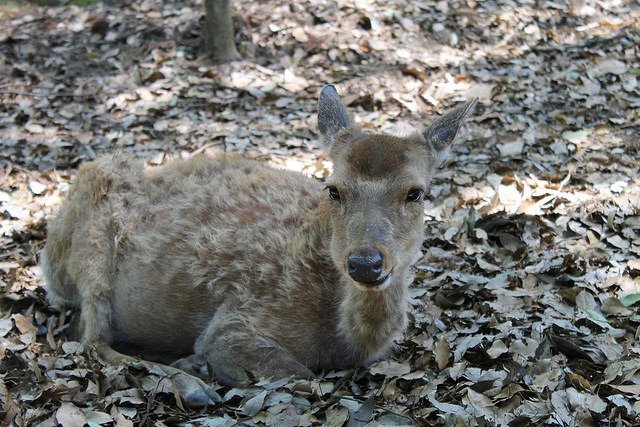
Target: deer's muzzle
365	266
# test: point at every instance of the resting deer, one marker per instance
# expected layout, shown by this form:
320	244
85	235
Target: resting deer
253	271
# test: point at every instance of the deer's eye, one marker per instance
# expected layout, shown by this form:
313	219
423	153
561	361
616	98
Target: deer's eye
334	194
415	195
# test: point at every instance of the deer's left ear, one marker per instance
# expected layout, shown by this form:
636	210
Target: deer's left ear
441	133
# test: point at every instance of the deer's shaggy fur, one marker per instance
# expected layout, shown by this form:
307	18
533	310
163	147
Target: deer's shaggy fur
244	267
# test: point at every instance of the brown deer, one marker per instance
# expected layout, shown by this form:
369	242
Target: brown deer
253	271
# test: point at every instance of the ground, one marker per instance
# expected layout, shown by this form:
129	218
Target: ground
525	305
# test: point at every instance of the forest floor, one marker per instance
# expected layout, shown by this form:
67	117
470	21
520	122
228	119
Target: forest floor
525	307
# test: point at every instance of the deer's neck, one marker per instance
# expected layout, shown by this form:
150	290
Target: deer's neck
367	321
370	320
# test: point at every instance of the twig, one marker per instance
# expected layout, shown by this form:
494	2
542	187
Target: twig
124	36
44	95
587	43
205	147
150	400
14	84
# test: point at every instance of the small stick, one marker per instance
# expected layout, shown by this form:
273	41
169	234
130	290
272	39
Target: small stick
43	95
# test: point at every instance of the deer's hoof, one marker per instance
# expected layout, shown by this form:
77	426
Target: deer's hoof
194	392
200	398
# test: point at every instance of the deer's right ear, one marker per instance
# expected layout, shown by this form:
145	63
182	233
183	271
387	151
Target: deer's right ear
332	115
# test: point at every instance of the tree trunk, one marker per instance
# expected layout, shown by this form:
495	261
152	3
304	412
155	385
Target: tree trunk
218	31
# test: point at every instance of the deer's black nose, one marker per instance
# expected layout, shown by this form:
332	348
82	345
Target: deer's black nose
365	265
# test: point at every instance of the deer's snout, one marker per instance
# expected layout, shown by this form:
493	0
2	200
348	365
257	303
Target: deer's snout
365	265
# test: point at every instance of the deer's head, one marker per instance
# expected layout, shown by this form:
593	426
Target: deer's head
377	190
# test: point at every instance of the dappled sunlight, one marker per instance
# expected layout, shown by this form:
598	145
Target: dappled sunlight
524	309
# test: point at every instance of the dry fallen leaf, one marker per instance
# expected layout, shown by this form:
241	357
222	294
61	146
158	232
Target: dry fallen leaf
612	66
497	348
390	369
442	353
511	149
70	415
614	306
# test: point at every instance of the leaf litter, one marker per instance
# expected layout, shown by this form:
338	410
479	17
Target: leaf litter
524	309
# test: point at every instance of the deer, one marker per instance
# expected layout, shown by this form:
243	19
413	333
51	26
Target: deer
230	269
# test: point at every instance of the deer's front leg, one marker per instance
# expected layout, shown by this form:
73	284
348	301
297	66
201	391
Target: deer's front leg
239	354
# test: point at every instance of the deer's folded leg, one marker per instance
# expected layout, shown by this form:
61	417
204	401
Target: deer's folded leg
238	353
239	359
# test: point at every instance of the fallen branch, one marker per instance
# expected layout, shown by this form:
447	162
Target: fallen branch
44	95
587	43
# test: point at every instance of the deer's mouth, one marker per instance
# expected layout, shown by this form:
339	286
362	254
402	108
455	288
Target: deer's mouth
377	284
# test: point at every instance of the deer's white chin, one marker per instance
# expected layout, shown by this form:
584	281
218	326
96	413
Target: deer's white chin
376	286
